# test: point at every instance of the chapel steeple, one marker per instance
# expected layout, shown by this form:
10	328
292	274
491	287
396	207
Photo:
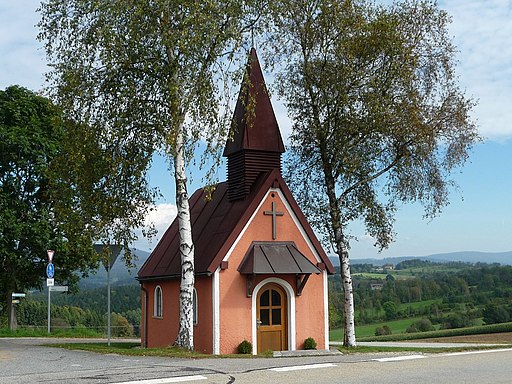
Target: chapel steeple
255	143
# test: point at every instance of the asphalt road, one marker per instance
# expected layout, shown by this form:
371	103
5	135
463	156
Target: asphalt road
26	361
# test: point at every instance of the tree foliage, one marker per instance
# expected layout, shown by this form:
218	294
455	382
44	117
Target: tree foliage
31	137
141	77
378	117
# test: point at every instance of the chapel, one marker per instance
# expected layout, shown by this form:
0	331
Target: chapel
260	271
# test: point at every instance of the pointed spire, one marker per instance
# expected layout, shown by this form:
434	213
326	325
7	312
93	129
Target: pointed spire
254	122
256	144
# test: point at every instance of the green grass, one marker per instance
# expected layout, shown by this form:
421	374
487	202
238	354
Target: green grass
364	349
369	275
396	326
367	332
32	332
134	349
478	330
129	349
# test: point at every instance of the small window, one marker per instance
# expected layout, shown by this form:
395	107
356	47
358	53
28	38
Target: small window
194	306
157	312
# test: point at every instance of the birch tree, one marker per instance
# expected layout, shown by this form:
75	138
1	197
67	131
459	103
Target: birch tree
378	117
144	76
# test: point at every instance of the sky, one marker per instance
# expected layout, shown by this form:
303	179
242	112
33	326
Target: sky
479	216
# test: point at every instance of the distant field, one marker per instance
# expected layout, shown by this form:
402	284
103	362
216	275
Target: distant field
368	275
396	326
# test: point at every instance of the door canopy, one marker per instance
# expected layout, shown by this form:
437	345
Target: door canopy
276	258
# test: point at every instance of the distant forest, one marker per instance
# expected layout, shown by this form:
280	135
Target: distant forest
447	295
87	309
450	295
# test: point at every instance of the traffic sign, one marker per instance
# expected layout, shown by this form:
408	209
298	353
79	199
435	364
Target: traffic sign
50	270
16	301
14	294
50	282
50	254
59	288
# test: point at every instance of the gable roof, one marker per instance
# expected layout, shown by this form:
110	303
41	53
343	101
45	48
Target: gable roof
216	224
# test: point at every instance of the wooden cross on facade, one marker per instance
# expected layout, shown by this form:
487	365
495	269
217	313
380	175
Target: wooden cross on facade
274	214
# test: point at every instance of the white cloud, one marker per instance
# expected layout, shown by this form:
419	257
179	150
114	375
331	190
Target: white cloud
21	55
481	32
161	216
366	238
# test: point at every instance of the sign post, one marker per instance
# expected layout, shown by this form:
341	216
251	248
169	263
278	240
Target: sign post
112	252
50	272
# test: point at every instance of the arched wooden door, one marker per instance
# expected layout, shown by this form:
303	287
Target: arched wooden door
271	315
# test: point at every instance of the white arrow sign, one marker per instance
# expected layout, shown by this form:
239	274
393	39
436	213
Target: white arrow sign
14	294
59	288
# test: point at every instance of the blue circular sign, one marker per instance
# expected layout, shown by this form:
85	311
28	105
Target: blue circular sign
50	270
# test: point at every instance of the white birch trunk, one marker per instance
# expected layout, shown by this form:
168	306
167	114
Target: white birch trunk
349	338
349	328
185	338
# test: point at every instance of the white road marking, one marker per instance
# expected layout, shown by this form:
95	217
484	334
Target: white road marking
477	352
178	379
399	358
300	367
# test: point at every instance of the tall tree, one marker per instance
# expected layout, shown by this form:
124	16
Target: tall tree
144	76
31	139
378	117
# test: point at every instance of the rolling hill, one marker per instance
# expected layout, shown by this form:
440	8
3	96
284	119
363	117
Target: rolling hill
503	258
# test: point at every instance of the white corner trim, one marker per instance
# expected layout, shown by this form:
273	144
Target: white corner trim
297	223
291	312
326	308
216	312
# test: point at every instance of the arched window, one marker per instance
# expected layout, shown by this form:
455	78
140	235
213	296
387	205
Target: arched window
194	306
157	311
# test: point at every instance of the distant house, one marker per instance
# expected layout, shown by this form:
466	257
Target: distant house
376	286
388	267
261	273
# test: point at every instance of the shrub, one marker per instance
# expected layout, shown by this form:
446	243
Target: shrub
494	314
309	343
423	325
385	330
245	348
120	327
390	309
456	320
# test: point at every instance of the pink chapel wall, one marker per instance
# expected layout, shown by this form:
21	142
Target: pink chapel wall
235	307
235	320
162	332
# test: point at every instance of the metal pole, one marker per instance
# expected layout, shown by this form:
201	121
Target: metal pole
49	309
108	300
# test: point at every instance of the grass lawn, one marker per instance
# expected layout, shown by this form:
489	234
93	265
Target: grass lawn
133	349
397	326
32	332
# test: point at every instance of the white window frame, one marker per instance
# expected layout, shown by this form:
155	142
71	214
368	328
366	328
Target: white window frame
158	307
